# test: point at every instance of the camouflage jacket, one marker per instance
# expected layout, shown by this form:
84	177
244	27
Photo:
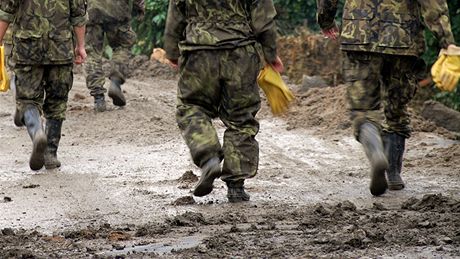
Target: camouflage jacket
216	24
388	26
42	30
113	11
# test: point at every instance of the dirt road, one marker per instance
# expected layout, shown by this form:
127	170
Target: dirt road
124	190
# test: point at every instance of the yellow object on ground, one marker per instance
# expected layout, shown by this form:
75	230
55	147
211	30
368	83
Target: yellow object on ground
278	94
446	70
4	79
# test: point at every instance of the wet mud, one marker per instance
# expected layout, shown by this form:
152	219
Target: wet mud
124	190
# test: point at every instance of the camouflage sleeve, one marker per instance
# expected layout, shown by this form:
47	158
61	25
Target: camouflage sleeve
174	31
78	12
263	24
8	9
436	16
326	13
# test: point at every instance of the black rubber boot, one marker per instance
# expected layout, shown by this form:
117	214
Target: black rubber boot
369	137
394	150
116	93
236	193
53	134
99	103
210	171
17	119
34	126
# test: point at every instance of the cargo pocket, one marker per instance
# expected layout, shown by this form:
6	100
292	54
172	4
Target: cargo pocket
60	46
395	31
356	27
28	47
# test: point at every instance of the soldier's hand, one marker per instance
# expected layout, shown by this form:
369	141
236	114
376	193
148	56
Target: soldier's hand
331	33
278	65
80	55
174	64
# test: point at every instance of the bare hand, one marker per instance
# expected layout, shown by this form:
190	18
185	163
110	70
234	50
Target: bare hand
331	33
80	55
174	64
278	65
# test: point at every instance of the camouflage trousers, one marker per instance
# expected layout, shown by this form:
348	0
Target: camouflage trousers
221	83
373	79
120	38
46	87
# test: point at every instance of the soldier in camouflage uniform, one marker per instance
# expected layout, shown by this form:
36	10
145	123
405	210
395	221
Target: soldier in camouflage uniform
111	20
43	52
382	42
213	41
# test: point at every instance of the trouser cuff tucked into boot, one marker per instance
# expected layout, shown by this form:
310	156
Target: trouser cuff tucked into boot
236	193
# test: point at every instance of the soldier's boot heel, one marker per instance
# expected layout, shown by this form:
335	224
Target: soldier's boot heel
34	126
236	192
210	171
116	93
53	134
372	143
394	150
17	119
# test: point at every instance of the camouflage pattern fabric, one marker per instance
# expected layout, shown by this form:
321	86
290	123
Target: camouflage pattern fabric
221	83
388	26
46	87
374	78
42	30
109	19
215	24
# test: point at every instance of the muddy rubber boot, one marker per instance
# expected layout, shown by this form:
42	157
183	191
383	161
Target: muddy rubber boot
116	93
34	126
369	137
53	134
17	119
210	171
99	103
394	150
236	193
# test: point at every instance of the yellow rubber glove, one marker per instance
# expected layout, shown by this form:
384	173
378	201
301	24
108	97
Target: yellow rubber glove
4	79
450	70
436	69
278	94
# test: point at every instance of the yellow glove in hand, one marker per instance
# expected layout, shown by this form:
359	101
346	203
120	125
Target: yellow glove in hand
446	70
278	94
450	72
436	69
4	79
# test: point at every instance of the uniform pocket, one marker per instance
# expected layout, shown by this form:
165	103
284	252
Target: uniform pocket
60	46
356	27
28	47
395	31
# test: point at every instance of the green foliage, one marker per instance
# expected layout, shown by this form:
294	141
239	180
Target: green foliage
150	30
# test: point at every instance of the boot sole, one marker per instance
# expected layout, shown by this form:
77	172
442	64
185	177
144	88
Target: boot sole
117	96
235	200
379	183
37	159
395	187
205	184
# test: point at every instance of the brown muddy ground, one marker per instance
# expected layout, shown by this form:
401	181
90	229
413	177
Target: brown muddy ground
124	187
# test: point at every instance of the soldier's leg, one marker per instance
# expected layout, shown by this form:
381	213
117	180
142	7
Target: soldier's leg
362	75
29	99
59	81
400	80
121	38
95	77
239	106
197	103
